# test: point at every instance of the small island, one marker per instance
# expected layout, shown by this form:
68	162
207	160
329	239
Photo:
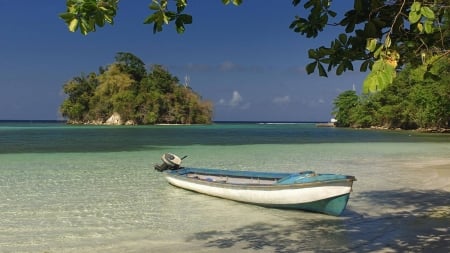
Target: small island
125	93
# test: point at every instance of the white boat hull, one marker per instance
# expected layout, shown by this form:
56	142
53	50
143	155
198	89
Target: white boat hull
276	196
306	190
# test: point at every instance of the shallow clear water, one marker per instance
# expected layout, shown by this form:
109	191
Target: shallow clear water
93	189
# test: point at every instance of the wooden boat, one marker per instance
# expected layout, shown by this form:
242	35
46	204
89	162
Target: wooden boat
307	190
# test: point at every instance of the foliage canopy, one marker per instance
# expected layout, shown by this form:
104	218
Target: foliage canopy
381	34
418	98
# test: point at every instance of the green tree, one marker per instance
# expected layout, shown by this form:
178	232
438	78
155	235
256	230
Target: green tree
79	90
365	112
132	65
161	79
124	103
344	105
113	81
430	94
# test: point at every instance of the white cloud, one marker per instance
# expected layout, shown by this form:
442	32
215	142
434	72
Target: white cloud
281	100
236	101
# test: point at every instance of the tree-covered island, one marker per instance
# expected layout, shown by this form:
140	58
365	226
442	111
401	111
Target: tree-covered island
126	93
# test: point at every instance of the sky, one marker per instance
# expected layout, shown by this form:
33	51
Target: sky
244	59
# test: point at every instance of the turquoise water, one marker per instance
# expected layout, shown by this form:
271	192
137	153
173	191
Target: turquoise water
93	189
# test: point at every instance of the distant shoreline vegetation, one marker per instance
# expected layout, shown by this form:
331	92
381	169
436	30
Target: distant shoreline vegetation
261	122
124	93
417	99
34	122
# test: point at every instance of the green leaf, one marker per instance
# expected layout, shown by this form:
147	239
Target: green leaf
85	27
308	4
378	65
99	20
181	5
108	19
73	26
371	29
350	27
414	17
364	66
181	21
150	19
154	6
427	12
165	18
377	52
312	54
237	2
323	20
311	67
187	19
332	13
323	51
340	69
322	71
416	6
380	77
370	84
157	27
371	44
387	42
428	25
343	38
382	80
420	27
348	65
67	16
179	26
326	61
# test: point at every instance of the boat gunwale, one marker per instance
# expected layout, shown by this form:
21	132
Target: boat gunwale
344	182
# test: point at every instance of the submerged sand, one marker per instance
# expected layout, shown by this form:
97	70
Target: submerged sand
411	214
400	203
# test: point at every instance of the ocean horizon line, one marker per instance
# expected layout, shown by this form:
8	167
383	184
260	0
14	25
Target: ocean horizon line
216	121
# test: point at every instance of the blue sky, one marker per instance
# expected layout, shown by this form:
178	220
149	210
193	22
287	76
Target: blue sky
244	59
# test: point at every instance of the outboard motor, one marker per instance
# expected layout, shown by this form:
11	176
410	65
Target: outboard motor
170	162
